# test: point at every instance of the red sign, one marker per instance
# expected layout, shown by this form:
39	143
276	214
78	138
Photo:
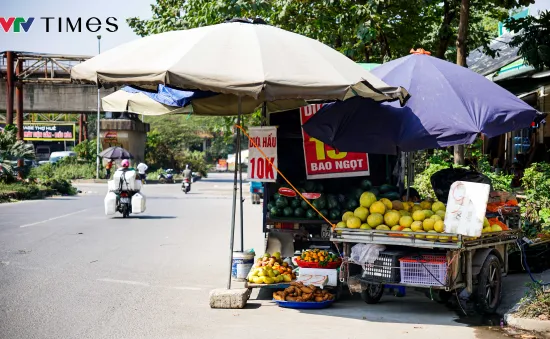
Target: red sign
323	161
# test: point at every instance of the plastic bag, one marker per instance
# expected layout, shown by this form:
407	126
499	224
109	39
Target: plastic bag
442	180
364	254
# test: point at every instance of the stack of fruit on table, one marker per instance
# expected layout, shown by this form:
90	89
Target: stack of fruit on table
270	269
426	218
331	203
298	292
317	258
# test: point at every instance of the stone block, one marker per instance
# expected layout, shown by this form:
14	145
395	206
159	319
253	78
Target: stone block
224	298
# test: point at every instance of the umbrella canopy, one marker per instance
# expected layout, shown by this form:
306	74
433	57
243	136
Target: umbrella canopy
256	62
116	152
138	102
449	105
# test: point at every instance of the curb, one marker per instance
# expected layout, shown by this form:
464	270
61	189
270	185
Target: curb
536	325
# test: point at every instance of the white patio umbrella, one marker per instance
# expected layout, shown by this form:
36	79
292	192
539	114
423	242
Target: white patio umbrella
256	62
139	103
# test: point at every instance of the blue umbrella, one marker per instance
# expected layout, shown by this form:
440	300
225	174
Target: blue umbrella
171	96
449	105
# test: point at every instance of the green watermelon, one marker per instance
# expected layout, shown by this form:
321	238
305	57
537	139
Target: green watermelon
352	204
282	202
357	193
366	184
324	212
299	212
391	196
319	188
270	205
309	186
276	196
375	191
274	212
332	201
311	214
388	188
304	204
295	203
334	214
288	212
320	203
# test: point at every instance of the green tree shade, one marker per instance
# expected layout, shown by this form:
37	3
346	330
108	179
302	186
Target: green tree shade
12	150
533	39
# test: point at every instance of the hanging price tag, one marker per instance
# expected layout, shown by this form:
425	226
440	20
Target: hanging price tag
259	169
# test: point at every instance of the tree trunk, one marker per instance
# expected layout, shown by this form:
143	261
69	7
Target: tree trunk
445	32
461	60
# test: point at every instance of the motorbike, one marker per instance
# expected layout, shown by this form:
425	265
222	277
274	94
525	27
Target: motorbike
167	178
124	203
186	185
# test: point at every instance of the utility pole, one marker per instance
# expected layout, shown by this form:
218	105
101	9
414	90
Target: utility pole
98	112
10	87
461	60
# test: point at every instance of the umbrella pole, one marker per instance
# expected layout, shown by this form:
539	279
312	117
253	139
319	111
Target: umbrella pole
233	211
241	179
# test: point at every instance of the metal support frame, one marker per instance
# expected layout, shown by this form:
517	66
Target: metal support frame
19	97
10	87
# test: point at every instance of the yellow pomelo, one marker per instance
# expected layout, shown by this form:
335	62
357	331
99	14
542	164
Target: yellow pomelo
392	218
382	228
378	207
432	235
415	208
366	199
407	206
375	219
406	221
397	228
404	213
347	215
361	213
486	223
419	215
365	227
428	213
428	225
421	234
386	203
407	230
454	238
426	205
444	238
341	224
436	217
496	228
397	205
353	222
487	230
441	214
417	226
439	226
438	206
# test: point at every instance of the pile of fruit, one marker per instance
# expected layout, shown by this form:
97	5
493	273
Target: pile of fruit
321	257
270	269
425	218
332	202
298	292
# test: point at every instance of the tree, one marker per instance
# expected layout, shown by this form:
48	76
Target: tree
533	39
12	150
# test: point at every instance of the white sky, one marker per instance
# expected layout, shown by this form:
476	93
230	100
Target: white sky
85	43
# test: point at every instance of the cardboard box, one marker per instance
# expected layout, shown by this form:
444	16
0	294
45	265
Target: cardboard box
331	274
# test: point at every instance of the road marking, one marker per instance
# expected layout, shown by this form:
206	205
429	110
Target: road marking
139	283
54	218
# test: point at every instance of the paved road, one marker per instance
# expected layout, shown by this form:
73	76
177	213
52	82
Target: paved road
68	271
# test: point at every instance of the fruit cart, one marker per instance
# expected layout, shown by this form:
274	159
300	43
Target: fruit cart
475	265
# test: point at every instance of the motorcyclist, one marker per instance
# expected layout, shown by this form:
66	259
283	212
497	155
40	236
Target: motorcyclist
187	174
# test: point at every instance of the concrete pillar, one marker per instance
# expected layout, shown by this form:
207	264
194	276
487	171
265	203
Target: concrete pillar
19	96
10	87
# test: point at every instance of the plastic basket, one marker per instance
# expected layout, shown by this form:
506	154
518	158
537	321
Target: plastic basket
330	265
385	269
428	270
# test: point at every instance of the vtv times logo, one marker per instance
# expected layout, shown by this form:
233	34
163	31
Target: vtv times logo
61	25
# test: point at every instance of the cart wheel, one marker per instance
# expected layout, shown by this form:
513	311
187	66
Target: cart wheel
439	296
373	293
489	286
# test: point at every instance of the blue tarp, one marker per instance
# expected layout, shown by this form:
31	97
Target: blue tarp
170	96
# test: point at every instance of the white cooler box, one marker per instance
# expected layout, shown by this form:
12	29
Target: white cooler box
110	203
138	203
331	274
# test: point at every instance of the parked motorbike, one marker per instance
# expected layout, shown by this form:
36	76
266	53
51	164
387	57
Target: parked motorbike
186	185
167	178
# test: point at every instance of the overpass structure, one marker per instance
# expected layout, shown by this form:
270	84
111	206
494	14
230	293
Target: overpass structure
37	87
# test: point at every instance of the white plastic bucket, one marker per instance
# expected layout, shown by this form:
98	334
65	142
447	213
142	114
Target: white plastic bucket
138	203
110	203
241	265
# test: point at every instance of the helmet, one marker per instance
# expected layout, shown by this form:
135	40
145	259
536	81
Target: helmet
125	163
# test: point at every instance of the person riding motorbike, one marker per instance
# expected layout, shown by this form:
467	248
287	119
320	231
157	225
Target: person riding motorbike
187	176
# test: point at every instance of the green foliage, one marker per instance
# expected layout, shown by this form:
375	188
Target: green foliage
535	303
11	150
21	190
87	150
536	208
533	39
65	169
196	160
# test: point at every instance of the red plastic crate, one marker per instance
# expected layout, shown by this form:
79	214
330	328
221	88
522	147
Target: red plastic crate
330	265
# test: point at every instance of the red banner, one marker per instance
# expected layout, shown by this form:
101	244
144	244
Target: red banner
323	161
